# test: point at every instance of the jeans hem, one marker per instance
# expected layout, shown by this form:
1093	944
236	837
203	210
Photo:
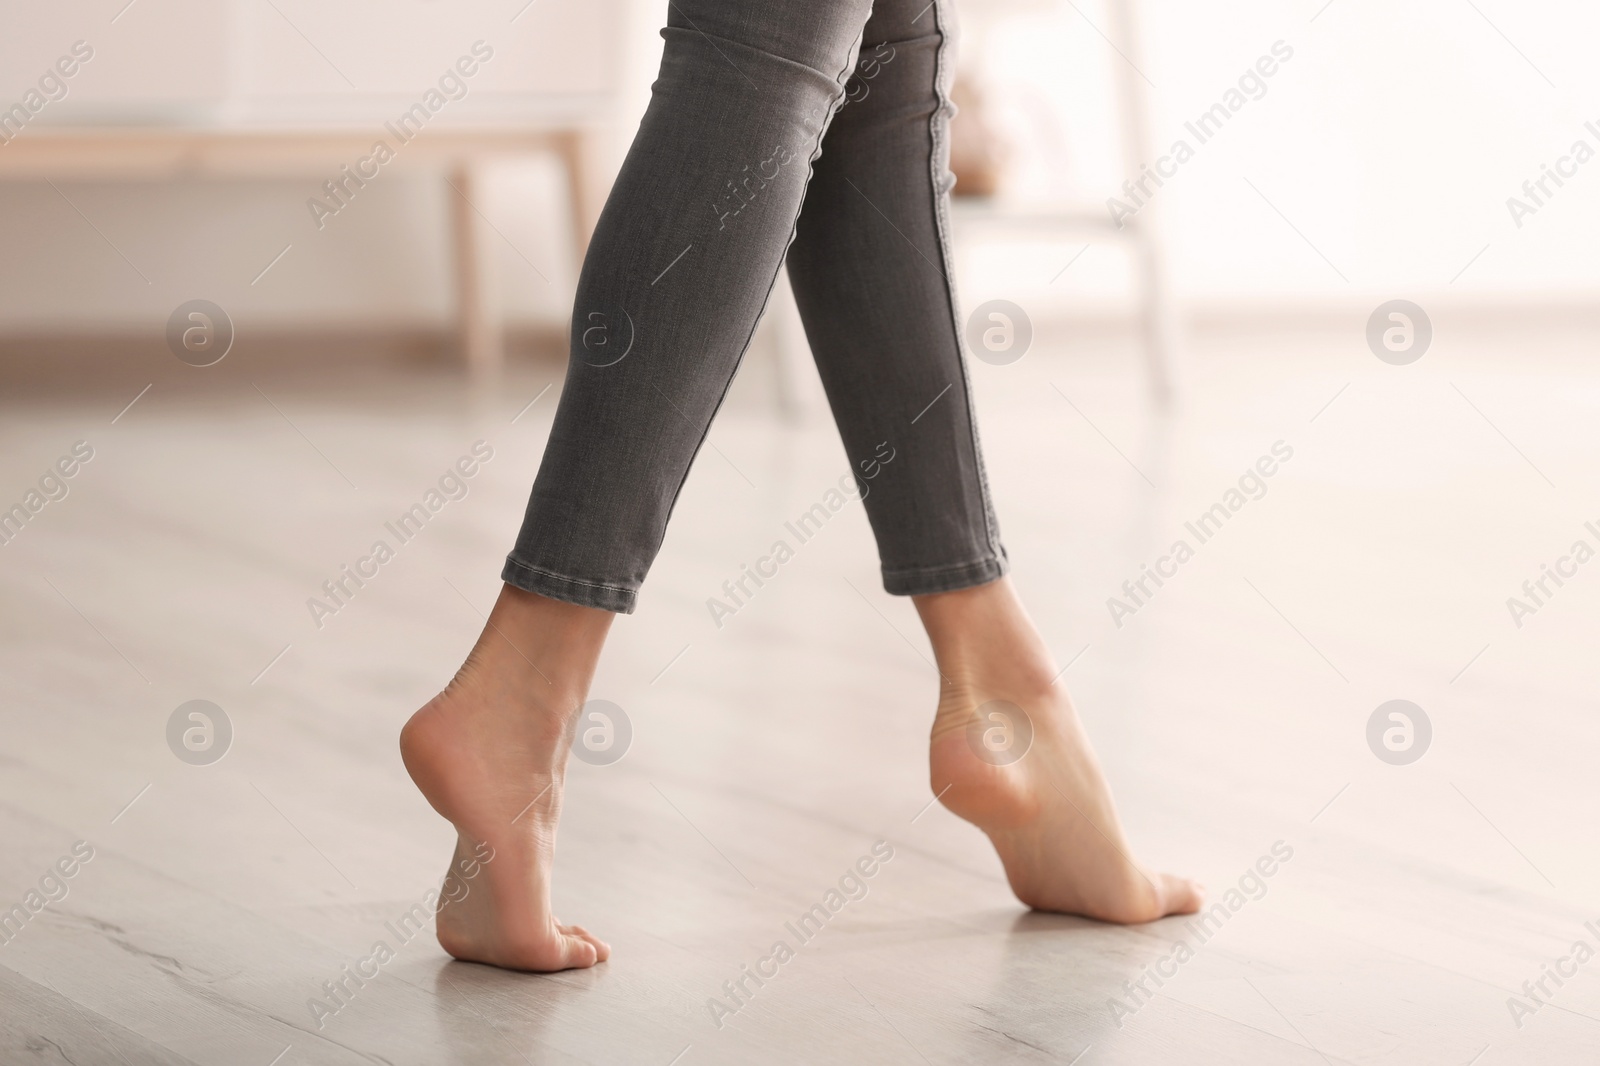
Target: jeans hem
921	581
568	589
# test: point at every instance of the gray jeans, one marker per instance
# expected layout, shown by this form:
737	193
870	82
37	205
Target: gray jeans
760	107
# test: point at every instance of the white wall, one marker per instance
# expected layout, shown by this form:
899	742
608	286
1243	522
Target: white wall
1392	140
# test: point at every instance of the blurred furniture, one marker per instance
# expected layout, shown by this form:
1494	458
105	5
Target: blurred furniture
1141	233
301	88
459	152
1158	323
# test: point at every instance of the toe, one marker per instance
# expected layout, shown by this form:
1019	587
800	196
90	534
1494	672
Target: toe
580	953
1180	895
601	948
561	947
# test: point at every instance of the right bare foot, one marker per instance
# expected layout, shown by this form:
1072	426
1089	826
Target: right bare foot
489	753
1048	813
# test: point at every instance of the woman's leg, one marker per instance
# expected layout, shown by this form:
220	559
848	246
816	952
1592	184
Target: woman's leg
871	272
678	271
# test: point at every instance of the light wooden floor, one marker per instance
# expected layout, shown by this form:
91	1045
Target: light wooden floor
771	754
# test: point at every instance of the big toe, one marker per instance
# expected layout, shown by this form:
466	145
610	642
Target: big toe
1180	895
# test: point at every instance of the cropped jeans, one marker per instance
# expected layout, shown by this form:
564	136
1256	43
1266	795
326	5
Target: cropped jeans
816	129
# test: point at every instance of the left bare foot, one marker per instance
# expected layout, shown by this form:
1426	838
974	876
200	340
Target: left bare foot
490	753
1048	813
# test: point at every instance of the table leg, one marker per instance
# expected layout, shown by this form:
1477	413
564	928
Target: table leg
573	148
479	329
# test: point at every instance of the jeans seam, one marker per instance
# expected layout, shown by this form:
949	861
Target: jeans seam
941	227
899	571
571	580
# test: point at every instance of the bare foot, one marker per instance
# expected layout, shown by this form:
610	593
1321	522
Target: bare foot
1049	813
490	752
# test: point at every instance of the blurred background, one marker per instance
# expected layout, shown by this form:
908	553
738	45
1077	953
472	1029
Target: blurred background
1390	141
1240	305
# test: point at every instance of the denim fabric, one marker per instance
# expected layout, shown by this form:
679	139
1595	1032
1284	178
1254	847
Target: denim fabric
840	106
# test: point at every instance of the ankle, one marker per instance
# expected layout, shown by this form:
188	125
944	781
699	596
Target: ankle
985	643
535	650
